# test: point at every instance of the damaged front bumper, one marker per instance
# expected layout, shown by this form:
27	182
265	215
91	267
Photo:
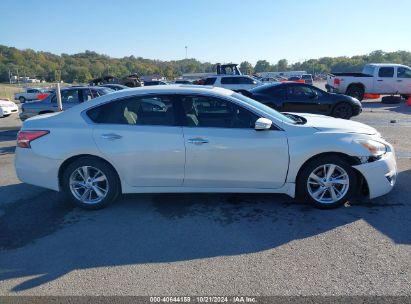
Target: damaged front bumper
380	174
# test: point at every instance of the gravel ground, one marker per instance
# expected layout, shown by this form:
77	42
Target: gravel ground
208	244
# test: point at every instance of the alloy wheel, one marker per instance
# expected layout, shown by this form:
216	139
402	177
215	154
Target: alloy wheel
89	185
328	183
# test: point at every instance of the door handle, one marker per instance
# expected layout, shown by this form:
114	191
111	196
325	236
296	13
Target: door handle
380	80
111	136
198	141
399	80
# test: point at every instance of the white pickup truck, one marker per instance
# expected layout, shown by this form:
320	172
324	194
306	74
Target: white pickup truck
31	94
376	78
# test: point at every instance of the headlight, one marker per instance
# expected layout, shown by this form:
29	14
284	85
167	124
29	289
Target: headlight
374	147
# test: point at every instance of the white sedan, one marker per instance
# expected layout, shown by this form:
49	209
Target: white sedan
7	107
200	139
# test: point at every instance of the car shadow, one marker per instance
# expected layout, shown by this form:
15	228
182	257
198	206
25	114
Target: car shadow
44	238
7	150
401	107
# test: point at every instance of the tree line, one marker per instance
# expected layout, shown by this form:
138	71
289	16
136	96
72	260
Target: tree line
82	67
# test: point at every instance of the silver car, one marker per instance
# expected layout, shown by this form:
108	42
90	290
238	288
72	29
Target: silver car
70	97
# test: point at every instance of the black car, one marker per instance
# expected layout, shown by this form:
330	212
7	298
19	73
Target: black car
304	98
114	86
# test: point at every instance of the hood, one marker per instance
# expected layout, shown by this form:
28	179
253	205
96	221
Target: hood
337	125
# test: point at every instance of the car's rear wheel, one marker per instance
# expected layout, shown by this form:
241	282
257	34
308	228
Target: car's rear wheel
90	183
22	99
326	182
342	110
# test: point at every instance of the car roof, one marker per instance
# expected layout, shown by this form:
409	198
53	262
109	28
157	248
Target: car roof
388	64
162	89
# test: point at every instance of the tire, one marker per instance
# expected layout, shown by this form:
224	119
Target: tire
356	91
22	99
107	184
391	99
342	110
318	191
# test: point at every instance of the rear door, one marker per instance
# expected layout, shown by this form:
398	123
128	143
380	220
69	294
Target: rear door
385	82
140	136
404	80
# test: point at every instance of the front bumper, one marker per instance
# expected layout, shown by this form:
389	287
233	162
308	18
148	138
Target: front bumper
380	175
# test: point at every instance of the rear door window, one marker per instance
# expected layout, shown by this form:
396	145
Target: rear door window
137	110
386	72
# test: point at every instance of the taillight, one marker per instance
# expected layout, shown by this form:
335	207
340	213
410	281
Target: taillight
336	81
25	137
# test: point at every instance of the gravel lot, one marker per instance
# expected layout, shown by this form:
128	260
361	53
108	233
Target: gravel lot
208	244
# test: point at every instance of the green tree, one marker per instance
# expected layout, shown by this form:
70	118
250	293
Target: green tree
282	65
246	68
262	66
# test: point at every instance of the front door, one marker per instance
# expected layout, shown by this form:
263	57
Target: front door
385	83
141	138
224	151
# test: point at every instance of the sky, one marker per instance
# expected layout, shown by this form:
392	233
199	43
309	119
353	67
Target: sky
213	30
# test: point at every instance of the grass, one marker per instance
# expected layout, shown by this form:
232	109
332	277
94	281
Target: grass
8	90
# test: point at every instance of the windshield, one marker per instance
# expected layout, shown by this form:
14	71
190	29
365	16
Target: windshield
263	108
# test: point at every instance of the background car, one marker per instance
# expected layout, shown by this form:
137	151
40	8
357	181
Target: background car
304	98
237	83
154	83
7	107
31	94
308	78
70	97
182	81
114	86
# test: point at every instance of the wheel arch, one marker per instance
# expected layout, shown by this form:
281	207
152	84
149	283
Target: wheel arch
71	159
348	158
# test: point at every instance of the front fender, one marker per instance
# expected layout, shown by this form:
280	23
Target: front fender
303	148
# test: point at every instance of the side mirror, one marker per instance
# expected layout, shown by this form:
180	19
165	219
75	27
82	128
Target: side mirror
263	124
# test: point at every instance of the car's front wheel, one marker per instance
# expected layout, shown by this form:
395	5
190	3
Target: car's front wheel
90	183
326	182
